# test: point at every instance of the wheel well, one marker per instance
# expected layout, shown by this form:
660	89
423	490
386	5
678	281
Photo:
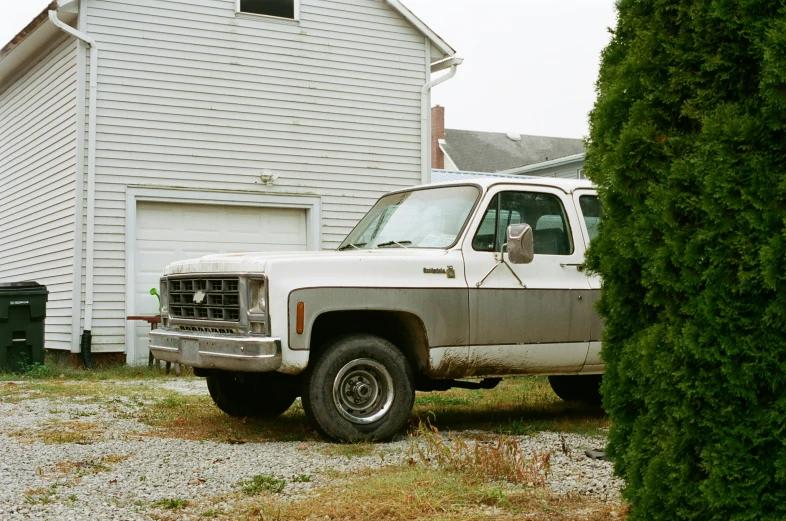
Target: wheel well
405	330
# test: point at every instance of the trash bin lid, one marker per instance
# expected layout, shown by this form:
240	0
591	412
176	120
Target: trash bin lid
27	287
27	284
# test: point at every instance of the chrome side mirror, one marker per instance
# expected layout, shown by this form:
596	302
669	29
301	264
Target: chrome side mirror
521	244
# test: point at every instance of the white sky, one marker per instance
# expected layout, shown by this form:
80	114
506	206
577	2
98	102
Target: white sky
530	65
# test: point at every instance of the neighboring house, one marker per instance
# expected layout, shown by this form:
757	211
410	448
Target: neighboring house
165	130
492	152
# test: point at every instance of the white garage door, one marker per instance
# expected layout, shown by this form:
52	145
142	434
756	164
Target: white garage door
167	232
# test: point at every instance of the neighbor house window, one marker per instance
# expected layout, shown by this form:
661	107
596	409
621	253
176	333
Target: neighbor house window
278	8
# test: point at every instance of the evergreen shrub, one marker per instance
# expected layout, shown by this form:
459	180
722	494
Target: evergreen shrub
688	148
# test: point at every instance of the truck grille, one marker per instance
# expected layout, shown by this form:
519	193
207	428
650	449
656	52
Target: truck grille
205	299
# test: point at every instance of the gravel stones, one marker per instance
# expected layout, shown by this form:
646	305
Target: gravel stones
122	473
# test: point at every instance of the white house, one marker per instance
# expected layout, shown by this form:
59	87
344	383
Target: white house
137	132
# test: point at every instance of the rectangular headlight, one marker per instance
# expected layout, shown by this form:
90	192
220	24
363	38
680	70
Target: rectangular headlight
257	302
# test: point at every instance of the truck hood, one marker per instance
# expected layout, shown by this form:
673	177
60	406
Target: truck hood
261	262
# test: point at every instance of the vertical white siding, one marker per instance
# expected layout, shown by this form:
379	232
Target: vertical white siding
193	95
37	176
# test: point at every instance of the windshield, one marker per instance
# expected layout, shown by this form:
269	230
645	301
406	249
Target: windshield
431	218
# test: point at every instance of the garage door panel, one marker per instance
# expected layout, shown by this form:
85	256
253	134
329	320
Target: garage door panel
169	232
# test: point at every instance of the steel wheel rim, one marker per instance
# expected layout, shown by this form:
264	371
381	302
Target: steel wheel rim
363	391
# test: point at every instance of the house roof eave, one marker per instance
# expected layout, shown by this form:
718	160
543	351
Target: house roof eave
29	29
33	38
438	42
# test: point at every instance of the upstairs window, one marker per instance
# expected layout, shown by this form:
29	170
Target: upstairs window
287	9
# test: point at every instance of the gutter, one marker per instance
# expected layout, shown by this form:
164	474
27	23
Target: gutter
86	342
425	103
566	160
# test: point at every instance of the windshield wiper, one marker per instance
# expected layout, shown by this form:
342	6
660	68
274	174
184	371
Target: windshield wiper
392	243
350	245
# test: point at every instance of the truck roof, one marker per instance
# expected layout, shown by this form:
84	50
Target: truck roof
489	180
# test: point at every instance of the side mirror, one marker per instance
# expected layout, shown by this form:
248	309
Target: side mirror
521	244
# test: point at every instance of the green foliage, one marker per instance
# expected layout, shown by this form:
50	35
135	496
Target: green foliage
171	503
688	149
263	483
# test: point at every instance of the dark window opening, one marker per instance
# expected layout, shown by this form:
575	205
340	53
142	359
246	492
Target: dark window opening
278	8
591	210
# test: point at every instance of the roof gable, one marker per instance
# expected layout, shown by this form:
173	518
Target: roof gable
40	21
496	152
438	42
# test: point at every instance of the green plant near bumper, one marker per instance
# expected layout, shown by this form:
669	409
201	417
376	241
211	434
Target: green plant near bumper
154	292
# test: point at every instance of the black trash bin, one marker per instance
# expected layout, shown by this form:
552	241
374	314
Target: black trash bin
22	314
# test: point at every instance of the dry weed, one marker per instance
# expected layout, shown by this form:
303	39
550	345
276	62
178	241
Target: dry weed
501	460
83	468
62	432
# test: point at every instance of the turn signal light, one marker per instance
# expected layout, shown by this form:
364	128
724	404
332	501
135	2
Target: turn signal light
301	313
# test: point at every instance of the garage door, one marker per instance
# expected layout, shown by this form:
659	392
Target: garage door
167	232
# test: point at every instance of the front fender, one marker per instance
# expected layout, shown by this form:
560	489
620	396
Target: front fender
443	311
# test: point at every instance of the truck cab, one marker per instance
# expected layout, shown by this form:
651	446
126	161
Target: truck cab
446	285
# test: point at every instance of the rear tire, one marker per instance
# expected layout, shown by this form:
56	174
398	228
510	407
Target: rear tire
256	395
361	388
577	388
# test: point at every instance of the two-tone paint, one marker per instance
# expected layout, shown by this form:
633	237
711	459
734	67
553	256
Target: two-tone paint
471	330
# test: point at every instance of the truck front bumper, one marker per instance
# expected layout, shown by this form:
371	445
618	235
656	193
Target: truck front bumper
216	351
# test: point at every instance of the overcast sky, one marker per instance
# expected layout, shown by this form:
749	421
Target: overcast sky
530	66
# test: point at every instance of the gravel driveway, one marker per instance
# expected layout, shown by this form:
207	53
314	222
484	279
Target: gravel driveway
126	474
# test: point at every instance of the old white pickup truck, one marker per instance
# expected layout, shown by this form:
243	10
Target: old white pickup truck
439	283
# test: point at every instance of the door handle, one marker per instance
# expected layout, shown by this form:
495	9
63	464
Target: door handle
579	267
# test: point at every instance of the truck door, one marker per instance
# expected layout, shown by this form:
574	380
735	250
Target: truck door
587	203
527	318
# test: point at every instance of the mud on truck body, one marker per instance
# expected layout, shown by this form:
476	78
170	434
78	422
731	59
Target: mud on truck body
440	286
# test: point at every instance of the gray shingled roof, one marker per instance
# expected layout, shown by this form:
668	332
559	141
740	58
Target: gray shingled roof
495	152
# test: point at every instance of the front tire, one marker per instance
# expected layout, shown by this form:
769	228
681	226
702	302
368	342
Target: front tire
361	388
256	395
577	388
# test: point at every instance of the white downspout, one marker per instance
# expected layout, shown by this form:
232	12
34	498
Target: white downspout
91	164
425	128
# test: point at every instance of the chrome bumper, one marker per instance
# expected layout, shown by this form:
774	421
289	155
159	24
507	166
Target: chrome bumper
216	351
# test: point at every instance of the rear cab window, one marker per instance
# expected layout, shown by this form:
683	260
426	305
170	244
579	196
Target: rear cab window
591	212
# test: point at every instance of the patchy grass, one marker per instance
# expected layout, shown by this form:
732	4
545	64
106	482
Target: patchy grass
171	503
518	406
41	496
81	391
197	418
56	432
467	476
84	468
53	371
411	493
349	450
